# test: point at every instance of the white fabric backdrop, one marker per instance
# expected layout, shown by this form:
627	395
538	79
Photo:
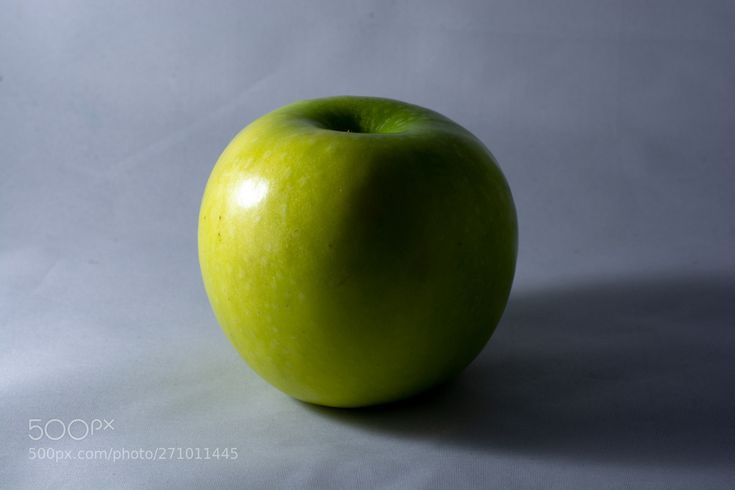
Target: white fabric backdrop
613	121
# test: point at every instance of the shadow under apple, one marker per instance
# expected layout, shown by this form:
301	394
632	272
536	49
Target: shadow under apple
641	371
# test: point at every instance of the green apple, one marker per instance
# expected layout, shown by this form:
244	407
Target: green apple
357	250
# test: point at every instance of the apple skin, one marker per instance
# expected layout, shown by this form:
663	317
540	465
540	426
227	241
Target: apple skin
357	250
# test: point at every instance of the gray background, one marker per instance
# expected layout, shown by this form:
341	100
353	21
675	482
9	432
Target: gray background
613	121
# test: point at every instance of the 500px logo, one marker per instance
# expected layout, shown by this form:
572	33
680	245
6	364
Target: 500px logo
77	429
